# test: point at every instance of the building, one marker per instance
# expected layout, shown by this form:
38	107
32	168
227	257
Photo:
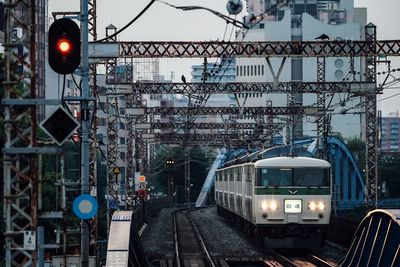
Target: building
222	70
390	133
301	20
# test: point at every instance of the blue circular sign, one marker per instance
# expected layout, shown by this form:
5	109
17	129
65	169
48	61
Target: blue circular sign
85	207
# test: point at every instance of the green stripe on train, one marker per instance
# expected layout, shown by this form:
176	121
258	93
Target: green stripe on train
292	191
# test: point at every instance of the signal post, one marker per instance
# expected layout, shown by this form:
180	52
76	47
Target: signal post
65	55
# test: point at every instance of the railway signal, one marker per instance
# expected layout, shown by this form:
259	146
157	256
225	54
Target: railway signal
64	46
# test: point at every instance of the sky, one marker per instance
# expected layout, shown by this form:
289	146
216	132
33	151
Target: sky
161	22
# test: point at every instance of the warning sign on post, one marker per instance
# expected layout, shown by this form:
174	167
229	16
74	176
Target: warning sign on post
30	240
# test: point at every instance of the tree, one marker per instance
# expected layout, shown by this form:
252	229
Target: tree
163	172
357	148
390	173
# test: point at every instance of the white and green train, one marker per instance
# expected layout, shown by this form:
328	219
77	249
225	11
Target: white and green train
284	201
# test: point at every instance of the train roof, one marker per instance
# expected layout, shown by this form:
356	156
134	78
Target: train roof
292	162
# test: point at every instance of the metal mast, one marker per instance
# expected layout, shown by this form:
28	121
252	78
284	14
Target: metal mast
371	129
93	133
20	154
321	117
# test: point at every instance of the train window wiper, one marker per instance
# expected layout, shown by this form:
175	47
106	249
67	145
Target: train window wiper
273	187
317	186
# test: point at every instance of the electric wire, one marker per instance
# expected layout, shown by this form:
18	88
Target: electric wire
127	25
76	84
222	16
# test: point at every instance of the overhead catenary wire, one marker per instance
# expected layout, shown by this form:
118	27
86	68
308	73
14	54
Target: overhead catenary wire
129	23
222	16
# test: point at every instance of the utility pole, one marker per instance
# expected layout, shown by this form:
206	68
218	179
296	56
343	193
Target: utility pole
85	122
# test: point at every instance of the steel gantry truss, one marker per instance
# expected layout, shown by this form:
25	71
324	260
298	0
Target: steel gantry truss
211	139
210	126
93	132
256	87
245	49
249	111
322	126
112	156
371	129
21	151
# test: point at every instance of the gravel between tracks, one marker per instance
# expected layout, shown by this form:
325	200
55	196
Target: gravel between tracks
157	238
223	239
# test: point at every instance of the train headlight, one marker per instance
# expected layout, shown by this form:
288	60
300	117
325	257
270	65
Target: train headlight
312	205
321	205
273	205
264	205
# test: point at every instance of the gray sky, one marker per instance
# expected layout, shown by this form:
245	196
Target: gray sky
161	22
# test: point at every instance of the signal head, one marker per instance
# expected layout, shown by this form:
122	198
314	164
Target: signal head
64	46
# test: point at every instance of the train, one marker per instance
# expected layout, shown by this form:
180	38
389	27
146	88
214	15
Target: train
284	202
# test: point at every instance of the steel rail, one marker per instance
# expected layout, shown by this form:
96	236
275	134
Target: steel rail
206	253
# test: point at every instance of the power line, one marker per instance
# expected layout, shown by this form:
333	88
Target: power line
222	16
386	98
129	24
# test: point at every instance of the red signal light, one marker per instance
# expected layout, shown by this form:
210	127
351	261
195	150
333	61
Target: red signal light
64	46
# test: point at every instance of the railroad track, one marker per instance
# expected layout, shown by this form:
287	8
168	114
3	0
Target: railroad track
190	249
308	260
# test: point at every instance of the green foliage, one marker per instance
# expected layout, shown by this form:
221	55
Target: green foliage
200	162
357	148
390	173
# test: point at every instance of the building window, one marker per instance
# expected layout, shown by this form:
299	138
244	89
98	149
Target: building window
251	69
122	140
100	137
241	71
259	70
237	70
70	84
248	70
102	122
262	70
122	125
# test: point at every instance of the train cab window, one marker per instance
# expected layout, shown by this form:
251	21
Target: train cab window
307	177
312	177
274	177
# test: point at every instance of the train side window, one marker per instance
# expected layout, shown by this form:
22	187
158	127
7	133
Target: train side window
239	173
248	176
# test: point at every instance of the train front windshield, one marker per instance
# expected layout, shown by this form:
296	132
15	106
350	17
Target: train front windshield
301	177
